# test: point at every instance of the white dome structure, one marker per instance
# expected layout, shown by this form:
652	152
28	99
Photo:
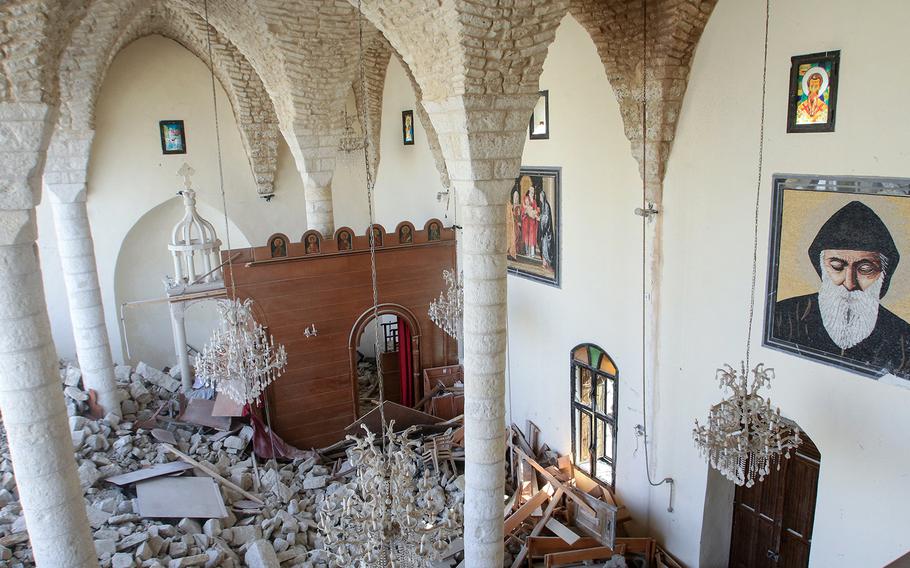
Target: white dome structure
194	245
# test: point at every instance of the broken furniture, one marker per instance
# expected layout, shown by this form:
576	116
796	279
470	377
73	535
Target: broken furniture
445	388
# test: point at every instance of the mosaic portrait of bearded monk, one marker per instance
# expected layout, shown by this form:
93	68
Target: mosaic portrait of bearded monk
856	259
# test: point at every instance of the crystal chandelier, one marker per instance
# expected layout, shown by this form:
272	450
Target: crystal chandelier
349	141
447	310
745	435
394	512
240	360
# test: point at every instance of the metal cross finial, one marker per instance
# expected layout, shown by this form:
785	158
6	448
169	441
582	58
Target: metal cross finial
185	172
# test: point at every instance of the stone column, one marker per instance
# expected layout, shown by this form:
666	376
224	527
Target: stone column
482	138
80	277
319	214
178	325
64	180
31	398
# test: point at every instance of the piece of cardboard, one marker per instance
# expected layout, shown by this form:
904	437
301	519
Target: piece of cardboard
199	411
152	472
403	417
165	436
178	497
226	406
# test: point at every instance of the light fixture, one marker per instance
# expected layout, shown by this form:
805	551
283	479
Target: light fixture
240	359
395	512
447	310
745	435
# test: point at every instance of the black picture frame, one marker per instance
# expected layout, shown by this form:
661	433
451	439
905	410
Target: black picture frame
542	133
827	63
407	127
526	263
169	143
791	323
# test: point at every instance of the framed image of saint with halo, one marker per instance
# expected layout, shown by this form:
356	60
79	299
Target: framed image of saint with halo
813	92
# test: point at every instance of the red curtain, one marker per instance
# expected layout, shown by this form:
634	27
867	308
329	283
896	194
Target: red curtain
405	363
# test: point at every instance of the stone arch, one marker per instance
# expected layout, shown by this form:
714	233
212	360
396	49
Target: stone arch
674	28
377	56
80	83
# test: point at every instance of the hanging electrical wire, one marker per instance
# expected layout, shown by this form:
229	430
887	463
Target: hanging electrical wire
413	521
240	360
745	435
644	253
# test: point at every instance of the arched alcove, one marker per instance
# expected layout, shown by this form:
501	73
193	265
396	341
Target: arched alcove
358	331
142	264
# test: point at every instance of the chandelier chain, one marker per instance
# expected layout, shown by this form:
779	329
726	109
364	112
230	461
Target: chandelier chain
761	154
227	227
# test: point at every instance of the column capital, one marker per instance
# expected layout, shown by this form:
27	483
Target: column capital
65	192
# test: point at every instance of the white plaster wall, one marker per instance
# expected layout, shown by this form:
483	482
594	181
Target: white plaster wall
155	79
138	275
859	425
600	298
407	180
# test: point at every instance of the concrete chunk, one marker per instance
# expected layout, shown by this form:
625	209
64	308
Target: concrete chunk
260	554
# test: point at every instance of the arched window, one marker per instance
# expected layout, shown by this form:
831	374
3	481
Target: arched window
594	409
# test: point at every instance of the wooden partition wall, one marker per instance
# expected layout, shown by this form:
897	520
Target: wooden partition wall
327	283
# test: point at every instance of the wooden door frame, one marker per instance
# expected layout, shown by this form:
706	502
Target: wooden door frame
357	332
809	451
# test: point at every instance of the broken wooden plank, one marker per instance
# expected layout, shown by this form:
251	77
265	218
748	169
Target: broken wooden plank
574	556
149	473
227	483
520	441
556	483
403	417
538	528
564	463
540	546
533	437
510	505
562	531
179	497
524	512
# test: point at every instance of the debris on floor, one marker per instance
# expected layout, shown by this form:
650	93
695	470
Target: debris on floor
558	516
172	483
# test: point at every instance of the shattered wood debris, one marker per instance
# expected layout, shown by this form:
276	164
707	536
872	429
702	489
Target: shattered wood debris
555	515
256	513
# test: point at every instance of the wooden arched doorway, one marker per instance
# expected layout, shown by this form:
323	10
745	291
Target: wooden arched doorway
772	520
405	317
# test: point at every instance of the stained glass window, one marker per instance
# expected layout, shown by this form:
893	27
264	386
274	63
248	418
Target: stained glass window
595	405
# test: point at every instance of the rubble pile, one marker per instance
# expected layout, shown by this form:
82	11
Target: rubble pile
273	509
367	384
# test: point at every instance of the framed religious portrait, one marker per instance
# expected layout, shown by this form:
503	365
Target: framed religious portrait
407	127
173	137
278	245
838	291
344	239
533	229
813	92
312	242
539	127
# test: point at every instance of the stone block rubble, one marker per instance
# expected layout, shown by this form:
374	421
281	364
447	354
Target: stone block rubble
281	532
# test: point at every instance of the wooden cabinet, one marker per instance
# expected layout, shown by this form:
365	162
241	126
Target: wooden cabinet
772	520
